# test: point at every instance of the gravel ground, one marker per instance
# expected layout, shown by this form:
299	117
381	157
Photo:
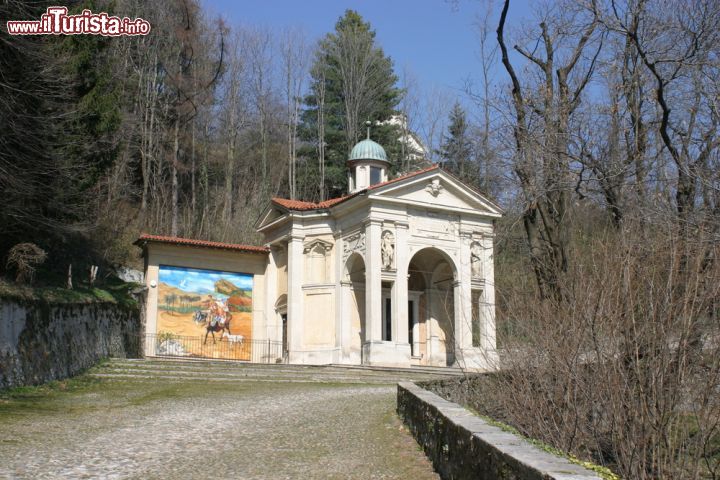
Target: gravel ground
119	428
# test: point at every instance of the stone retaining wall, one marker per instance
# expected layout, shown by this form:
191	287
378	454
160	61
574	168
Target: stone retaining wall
462	445
40	342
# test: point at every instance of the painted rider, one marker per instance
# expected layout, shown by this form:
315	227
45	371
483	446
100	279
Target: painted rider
218	311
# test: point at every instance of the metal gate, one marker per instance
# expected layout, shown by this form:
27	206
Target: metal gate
234	347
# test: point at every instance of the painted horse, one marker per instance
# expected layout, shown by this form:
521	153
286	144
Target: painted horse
200	317
215	324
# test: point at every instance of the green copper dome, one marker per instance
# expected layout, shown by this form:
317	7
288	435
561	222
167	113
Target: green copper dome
368	150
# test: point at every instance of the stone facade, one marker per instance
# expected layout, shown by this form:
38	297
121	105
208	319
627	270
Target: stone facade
400	273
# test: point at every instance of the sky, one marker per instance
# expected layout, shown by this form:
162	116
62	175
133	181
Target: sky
201	281
436	40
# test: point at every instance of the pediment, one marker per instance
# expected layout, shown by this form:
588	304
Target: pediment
438	189
322	245
269	216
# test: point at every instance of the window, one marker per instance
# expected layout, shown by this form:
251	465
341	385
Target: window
387	321
375	175
411	325
386	303
476	326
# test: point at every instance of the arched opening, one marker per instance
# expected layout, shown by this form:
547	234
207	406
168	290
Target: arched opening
354	282
431	323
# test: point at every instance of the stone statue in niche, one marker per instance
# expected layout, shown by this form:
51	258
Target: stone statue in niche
387	248
476	259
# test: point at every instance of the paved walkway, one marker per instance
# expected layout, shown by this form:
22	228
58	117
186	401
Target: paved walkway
184	420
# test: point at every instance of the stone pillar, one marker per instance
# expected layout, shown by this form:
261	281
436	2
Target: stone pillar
152	273
487	310
373	282
400	288
272	330
463	300
342	319
295	296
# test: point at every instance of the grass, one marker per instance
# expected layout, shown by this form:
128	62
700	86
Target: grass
85	393
49	397
113	292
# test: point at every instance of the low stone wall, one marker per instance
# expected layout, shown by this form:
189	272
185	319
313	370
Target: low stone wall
462	445
40	342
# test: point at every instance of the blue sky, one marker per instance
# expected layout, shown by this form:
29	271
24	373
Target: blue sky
201	281
434	39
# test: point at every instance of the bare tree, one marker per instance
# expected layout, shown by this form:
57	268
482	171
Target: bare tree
294	51
435	110
234	114
678	47
259	51
542	162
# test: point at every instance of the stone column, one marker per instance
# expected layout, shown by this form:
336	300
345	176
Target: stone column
342	320
295	296
400	289
487	310
373	282
463	299
152	273
272	330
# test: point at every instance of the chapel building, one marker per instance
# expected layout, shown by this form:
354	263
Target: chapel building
398	272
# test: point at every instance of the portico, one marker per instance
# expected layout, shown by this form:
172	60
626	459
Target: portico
397	273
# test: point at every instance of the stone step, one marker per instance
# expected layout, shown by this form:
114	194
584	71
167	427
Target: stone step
251	372
225	365
249	377
270	370
231	379
279	378
232	371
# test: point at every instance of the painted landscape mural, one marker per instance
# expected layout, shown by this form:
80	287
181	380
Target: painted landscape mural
204	313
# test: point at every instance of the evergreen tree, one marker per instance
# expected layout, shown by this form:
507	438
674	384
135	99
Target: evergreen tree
456	148
352	82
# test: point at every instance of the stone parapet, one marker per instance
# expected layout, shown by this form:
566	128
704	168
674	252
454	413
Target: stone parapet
462	445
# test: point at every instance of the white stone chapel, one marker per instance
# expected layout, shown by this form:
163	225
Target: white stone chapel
398	272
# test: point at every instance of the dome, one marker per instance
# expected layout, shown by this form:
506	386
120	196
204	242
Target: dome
368	150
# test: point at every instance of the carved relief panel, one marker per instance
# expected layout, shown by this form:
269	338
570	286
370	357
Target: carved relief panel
433	225
354	242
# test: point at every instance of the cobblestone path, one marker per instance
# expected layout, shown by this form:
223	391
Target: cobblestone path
181	420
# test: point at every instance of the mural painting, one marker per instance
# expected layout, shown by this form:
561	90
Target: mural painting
204	313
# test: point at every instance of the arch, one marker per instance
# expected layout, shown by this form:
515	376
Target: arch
354	268
281	303
435	252
354	299
433	273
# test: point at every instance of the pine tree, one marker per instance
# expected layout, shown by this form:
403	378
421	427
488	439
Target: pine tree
352	82
456	148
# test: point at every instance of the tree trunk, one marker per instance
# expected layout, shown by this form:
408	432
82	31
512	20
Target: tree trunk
174	179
